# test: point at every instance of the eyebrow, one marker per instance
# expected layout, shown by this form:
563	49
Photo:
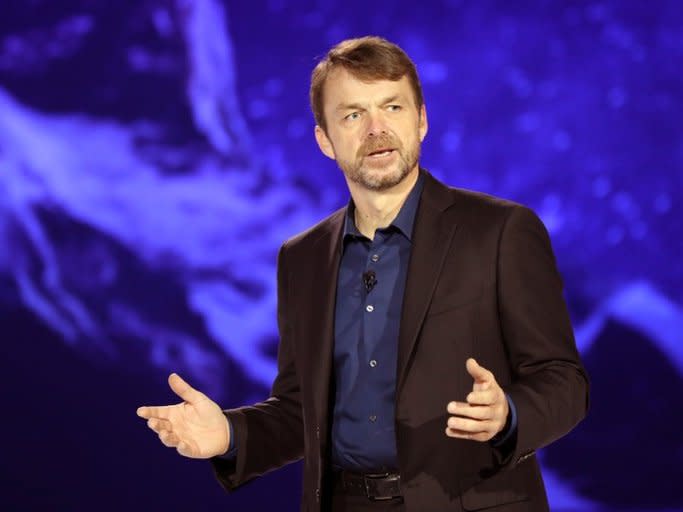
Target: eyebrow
358	106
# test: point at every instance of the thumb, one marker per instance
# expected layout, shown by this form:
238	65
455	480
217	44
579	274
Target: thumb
183	389
478	372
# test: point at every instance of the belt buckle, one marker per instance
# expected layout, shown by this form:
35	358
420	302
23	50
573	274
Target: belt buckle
370	481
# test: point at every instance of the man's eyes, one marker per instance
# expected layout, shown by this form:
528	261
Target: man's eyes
356	115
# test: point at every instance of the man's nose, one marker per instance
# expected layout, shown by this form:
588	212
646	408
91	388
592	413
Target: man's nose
376	124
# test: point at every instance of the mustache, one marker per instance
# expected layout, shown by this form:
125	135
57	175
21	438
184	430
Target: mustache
375	143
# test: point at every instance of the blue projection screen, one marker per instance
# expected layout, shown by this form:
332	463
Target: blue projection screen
154	155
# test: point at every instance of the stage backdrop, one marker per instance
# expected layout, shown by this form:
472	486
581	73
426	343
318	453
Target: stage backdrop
154	154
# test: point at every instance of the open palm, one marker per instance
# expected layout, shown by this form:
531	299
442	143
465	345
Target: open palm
195	427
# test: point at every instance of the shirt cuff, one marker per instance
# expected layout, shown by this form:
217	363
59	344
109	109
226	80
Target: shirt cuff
231	454
510	427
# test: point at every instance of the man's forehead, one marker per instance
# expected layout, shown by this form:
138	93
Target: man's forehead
342	86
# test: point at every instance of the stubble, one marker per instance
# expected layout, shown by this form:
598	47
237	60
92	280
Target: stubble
377	178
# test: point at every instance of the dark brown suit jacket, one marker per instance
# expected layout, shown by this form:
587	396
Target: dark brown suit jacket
482	282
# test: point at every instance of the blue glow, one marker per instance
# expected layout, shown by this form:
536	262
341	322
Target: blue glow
154	156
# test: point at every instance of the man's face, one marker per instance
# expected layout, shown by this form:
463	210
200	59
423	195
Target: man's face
374	129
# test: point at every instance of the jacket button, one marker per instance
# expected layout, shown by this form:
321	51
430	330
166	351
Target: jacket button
317	433
317	494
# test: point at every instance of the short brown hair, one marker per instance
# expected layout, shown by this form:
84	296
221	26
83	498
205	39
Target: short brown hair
367	58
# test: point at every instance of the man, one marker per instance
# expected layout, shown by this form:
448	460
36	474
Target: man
425	347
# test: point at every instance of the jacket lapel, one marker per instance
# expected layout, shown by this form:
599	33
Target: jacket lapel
323	272
432	234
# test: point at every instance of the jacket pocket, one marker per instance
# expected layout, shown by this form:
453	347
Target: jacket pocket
500	489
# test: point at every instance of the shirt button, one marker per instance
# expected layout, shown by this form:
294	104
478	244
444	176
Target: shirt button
369	308
375	257
373	418
373	363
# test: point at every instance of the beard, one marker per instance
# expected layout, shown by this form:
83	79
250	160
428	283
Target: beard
381	177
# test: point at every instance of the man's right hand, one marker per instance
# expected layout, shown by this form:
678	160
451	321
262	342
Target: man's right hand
196	427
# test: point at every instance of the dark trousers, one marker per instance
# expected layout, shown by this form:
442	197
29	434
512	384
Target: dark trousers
341	503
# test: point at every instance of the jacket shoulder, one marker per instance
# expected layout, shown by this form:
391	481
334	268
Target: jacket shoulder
485	212
309	236
443	196
480	200
482	207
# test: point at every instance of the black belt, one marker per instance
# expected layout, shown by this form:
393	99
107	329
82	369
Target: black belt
376	486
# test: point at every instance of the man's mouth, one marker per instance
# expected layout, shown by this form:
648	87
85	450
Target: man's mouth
380	153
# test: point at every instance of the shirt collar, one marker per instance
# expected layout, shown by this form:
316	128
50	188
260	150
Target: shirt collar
404	220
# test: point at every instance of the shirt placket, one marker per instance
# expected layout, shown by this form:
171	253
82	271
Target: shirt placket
373	307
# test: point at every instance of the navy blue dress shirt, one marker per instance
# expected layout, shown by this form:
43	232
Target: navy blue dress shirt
366	324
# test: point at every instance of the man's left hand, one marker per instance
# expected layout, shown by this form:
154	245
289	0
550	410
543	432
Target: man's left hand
484	413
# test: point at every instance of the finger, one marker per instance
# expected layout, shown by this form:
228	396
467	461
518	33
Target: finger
468	424
478	436
187	450
159	425
169	439
488	397
183	389
477	412
164	425
481	385
153	412
478	373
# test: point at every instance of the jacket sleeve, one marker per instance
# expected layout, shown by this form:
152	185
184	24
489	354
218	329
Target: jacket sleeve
549	384
268	434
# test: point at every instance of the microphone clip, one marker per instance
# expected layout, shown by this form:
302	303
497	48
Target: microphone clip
369	280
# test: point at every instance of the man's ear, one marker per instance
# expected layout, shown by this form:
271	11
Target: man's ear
324	143
423	125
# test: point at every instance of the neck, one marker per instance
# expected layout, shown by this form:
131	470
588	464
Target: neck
376	209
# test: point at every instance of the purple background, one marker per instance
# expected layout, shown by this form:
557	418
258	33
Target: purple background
155	153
